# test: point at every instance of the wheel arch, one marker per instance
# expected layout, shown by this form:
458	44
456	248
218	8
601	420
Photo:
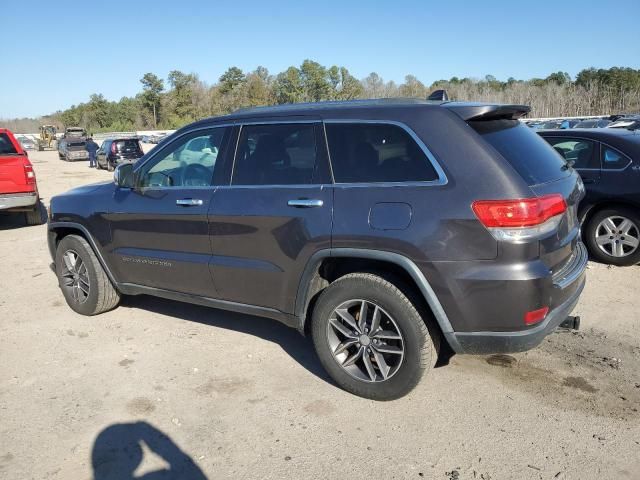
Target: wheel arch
313	281
590	210
58	230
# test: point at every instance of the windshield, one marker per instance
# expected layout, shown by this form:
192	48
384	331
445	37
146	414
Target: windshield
527	153
6	146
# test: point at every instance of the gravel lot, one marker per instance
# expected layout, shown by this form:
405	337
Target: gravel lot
242	397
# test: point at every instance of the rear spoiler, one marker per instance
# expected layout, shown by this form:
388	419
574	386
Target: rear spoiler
484	111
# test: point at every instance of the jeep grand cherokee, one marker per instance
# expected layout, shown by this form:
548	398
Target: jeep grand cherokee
387	229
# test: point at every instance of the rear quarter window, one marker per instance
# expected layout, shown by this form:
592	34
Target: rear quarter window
532	157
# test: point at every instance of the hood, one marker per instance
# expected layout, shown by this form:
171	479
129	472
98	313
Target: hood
89	188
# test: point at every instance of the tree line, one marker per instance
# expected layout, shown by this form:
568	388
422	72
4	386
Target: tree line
182	98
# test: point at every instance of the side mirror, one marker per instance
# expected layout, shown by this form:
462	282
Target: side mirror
123	175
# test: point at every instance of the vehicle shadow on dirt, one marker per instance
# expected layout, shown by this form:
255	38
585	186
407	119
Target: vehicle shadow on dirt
11	221
120	449
295	345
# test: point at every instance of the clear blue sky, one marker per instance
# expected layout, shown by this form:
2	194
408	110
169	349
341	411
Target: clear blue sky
55	54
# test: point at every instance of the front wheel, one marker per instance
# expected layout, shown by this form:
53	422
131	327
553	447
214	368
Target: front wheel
84	283
613	236
370	337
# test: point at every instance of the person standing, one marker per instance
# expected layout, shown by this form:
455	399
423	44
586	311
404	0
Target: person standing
92	148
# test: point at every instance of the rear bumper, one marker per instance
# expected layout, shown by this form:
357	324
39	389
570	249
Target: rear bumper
77	155
499	308
484	343
18	201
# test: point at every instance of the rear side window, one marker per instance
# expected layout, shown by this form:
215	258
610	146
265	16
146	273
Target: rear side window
275	155
373	153
532	157
582	152
6	147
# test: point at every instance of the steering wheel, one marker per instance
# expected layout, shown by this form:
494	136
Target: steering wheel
196	175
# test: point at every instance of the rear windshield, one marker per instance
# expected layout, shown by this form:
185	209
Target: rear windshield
76	144
128	145
6	147
532	157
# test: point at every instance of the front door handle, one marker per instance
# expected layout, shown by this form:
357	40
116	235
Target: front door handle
189	202
305	203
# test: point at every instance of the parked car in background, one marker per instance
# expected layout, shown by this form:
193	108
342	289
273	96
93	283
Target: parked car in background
593	123
18	187
341	220
72	149
157	138
608	161
27	143
551	125
631	122
569	123
115	151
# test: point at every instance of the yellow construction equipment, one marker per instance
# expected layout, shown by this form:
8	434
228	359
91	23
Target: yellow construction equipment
47	137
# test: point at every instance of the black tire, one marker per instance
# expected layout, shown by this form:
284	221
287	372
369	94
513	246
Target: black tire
419	346
110	167
34	217
591	231
102	295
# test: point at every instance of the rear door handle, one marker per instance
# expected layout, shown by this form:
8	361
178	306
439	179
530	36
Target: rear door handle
305	203
588	180
189	202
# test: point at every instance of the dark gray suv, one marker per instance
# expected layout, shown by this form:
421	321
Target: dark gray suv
390	230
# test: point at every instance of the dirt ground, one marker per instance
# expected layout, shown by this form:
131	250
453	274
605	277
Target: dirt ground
156	384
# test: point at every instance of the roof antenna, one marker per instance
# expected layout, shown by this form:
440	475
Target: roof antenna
439	96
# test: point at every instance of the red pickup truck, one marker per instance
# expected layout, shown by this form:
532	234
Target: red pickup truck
18	188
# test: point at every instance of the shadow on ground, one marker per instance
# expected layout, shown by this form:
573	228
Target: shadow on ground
13	220
118	452
295	345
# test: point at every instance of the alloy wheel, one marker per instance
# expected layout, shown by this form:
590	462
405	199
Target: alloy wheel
617	236
365	340
75	276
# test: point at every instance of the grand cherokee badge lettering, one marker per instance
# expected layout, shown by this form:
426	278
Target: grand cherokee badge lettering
147	261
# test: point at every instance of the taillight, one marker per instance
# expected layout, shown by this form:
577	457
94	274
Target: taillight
113	148
535	316
521	219
29	175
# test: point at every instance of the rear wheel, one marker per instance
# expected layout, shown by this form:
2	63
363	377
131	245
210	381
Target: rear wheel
34	217
613	236
84	283
370	337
